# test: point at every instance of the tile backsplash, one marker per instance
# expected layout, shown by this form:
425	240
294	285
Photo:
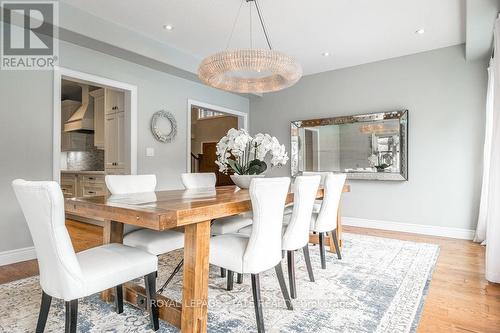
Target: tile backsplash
85	160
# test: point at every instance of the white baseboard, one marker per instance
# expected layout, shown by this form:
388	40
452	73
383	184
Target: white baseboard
410	228
18	255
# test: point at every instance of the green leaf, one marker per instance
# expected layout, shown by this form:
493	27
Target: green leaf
256	167
234	165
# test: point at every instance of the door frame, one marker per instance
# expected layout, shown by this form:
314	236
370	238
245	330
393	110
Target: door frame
218	108
82	77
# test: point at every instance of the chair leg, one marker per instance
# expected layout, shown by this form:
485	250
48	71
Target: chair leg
284	291
239	278
257	302
222	272
336	243
119	298
150	284
291	273
307	259
230	280
322	253
44	312
71	316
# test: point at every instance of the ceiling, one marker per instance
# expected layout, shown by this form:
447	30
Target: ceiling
354	32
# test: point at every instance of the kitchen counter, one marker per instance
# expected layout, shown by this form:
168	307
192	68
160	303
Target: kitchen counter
85	172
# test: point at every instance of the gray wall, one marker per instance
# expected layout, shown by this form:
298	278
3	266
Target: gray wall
26	125
445	96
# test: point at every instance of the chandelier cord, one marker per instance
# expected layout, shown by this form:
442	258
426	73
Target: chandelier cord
261	17
251	40
234	25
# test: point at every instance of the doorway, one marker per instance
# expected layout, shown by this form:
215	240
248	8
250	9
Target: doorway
207	125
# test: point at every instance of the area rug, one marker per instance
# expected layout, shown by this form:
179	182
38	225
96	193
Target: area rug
378	286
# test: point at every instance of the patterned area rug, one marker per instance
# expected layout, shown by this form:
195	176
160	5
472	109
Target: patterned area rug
378	286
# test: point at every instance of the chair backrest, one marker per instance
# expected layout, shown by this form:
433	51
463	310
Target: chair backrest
198	180
127	184
305	189
268	197
42	204
323	174
327	217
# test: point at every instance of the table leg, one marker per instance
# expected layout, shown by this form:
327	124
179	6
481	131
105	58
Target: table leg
195	287
339	226
112	233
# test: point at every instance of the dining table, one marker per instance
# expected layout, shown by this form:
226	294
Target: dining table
189	210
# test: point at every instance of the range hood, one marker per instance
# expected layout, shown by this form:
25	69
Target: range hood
82	119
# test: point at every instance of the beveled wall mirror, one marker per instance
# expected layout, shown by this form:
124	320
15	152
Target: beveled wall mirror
369	146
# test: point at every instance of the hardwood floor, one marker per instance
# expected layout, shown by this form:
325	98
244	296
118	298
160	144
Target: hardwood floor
459	299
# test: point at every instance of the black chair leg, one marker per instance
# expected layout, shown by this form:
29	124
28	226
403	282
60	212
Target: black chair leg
71	316
239	278
44	312
284	291
230	280
291	273
150	284
336	244
257	302
307	259
222	272
119	298
322	253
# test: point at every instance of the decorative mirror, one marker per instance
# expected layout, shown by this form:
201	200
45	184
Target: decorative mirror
369	146
164	126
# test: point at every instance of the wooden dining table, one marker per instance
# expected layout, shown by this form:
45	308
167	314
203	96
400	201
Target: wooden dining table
191	210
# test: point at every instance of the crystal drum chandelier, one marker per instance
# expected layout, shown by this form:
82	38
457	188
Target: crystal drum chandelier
250	70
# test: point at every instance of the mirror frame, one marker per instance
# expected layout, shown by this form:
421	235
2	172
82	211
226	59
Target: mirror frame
401	115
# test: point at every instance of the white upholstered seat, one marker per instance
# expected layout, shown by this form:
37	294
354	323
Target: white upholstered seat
260	251
296	225
155	242
69	276
225	225
326	219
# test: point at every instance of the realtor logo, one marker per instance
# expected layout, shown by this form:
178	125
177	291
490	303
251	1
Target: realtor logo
28	32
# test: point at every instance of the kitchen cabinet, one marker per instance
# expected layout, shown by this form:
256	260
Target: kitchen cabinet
99	106
82	184
114	156
115	101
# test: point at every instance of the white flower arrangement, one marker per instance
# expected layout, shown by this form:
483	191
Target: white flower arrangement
245	155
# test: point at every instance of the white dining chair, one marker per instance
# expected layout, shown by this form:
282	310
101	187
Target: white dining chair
152	241
69	276
317	202
326	219
262	250
221	226
224	225
296	226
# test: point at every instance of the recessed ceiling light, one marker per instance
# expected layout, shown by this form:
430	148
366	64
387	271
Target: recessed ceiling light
325	54
420	31
168	27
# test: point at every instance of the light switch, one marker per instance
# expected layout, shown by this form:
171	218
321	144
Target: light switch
150	152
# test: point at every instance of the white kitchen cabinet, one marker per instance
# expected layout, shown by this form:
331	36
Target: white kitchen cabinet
115	101
114	152
99	106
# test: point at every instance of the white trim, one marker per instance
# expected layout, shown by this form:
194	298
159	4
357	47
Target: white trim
17	255
431	230
217	108
131	90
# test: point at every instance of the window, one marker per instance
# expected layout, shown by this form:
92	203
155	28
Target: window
203	114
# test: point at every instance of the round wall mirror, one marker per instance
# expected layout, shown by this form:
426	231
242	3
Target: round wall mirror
164	126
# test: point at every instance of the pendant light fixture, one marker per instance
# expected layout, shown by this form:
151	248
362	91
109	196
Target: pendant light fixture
252	70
